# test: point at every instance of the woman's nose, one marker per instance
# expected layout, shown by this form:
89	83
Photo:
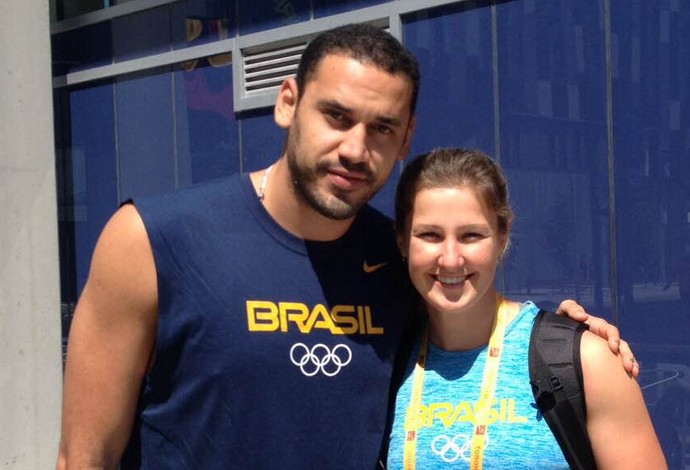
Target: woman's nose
451	255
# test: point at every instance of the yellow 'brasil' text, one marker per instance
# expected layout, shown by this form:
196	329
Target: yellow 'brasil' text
263	315
503	410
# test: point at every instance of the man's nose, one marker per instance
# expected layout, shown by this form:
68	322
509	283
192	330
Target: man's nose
354	144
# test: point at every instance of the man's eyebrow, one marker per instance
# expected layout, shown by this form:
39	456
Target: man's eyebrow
334	105
392	121
389	121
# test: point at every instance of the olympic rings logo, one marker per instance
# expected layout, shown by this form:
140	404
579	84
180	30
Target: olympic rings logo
452	449
320	358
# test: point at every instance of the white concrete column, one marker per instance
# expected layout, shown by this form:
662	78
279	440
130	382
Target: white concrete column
30	346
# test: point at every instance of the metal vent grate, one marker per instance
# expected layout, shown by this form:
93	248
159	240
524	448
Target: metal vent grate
266	70
263	68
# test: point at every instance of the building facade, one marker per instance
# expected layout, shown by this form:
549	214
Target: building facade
31	372
586	104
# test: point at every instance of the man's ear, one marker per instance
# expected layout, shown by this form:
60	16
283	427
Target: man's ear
405	150
286	103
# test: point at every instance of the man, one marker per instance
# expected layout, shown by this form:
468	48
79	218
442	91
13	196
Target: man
253	322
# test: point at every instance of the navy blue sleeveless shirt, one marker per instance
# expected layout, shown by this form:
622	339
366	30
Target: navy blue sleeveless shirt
271	351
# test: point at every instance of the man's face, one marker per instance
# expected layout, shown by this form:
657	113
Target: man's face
351	124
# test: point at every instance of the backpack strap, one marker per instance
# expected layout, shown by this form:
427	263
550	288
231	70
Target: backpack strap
400	365
556	378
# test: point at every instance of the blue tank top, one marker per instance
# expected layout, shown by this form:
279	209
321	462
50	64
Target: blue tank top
271	352
518	436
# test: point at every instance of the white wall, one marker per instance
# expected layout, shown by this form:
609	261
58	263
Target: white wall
30	351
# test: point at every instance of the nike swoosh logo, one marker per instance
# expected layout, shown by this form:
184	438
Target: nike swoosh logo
370	268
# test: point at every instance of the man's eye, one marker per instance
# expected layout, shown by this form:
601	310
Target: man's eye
383	129
335	115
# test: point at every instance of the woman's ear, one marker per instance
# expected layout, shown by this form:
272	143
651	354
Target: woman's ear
286	103
401	240
505	243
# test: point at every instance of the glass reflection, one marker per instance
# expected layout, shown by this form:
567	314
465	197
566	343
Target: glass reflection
206	126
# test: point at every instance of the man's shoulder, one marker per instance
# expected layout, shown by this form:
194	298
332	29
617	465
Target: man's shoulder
195	198
376	233
375	227
206	189
374	218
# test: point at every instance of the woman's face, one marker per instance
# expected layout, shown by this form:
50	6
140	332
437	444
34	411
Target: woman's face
453	246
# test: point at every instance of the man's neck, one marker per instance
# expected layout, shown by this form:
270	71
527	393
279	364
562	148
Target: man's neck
290	211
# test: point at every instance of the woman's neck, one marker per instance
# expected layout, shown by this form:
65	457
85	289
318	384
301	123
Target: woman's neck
466	330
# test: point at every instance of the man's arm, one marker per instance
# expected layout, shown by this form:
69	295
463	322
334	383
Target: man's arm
618	423
604	329
110	346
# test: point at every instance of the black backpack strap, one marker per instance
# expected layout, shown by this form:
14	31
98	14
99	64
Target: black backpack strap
556	377
400	366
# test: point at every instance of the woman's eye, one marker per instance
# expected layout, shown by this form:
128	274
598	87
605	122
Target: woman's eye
472	236
429	236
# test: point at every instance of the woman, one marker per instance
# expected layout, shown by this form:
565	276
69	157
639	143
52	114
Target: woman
454	223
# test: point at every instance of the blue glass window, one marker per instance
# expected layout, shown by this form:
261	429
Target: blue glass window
206	126
260	15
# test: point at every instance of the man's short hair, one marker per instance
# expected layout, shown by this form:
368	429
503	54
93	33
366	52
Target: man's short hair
365	43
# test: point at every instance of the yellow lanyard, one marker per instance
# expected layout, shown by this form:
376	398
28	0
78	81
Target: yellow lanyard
483	406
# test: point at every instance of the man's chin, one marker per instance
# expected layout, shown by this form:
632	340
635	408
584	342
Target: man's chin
333	203
338	213
338	208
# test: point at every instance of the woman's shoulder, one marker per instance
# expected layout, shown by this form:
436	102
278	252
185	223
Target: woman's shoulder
615	406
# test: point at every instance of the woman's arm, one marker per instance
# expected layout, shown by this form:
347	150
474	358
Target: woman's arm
618	423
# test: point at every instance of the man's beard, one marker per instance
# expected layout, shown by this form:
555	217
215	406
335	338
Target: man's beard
336	205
